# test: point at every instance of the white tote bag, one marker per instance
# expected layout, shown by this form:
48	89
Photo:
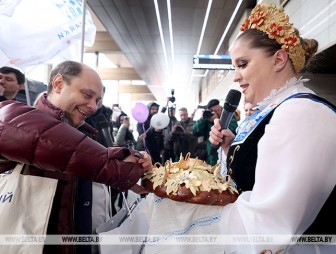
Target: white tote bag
25	206
128	221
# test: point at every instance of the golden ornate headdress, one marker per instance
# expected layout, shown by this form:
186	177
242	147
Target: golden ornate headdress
273	21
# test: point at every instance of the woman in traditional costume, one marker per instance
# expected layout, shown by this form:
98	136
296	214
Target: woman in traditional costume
282	159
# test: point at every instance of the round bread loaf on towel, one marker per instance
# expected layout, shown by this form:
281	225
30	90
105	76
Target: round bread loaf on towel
190	180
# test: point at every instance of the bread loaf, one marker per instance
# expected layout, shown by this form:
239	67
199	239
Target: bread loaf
190	180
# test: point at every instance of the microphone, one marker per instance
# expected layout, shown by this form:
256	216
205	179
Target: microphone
230	106
104	126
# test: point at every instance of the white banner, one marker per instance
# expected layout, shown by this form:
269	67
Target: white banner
7	7
35	31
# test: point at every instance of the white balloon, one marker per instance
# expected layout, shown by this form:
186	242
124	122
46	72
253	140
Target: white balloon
159	121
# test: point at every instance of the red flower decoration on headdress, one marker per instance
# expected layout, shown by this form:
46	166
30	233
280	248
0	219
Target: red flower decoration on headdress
274	30
245	25
290	41
257	18
273	21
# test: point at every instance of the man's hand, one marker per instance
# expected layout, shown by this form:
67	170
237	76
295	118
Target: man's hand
146	161
142	136
142	158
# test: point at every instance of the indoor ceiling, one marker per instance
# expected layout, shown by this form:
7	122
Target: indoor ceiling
155	40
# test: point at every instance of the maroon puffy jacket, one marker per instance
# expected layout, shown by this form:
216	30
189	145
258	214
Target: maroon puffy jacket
42	139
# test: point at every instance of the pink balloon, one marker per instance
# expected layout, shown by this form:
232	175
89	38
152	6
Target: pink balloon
140	112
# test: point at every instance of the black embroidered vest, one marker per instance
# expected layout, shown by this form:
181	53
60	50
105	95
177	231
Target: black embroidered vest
242	159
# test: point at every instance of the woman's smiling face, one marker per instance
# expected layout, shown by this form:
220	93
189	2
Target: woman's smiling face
253	70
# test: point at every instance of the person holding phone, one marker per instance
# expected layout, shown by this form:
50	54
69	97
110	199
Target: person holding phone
124	136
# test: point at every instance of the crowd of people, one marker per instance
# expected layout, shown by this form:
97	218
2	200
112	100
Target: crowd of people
285	179
183	136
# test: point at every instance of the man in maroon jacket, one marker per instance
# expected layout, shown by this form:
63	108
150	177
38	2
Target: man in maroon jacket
54	140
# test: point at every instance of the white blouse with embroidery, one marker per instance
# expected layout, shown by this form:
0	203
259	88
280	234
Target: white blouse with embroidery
295	173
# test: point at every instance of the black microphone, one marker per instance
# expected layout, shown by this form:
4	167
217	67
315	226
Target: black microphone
104	126
230	105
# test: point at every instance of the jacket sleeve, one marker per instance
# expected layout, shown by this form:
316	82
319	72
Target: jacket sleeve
34	137
199	126
121	135
140	129
233	125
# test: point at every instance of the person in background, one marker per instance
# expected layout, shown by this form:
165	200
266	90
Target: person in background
237	114
150	139
102	195
119	120
249	109
56	142
102	118
168	153
124	136
182	136
203	126
283	159
11	82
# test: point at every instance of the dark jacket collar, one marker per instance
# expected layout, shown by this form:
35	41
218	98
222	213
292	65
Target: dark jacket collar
46	106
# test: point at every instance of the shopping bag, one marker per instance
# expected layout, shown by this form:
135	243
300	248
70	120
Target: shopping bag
25	205
130	220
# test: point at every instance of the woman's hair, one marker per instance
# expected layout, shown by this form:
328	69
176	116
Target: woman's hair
118	122
310	47
259	39
67	69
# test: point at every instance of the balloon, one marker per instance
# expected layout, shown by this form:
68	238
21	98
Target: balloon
140	112
159	121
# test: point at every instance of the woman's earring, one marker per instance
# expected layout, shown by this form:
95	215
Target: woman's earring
277	68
